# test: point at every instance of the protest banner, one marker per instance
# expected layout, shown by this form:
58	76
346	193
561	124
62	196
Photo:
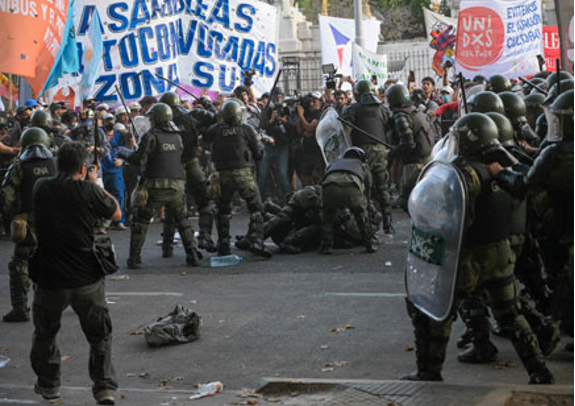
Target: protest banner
368	64
337	36
551	48
31	34
441	33
207	45
564	10
499	37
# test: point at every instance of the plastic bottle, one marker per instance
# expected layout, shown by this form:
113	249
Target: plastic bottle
207	389
226	260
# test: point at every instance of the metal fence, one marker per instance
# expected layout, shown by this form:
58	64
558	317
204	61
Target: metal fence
302	75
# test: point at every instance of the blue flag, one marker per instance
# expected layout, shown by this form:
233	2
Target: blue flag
93	52
67	59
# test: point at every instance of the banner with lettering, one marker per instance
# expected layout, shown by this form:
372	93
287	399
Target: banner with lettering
551	47
499	37
31	35
205	44
564	10
369	64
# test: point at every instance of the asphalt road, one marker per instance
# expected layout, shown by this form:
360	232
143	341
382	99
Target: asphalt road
299	316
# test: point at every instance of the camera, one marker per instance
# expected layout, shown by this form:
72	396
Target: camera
330	75
248	75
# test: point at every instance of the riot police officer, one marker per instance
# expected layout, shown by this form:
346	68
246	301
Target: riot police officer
235	148
370	115
485	102
347	183
516	112
485	258
412	134
498	84
552	172
43	120
190	124
163	183
34	162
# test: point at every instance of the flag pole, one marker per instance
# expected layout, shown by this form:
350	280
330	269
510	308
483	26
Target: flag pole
358	13
10	103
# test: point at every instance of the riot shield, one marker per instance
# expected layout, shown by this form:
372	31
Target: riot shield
331	136
470	93
444	149
437	207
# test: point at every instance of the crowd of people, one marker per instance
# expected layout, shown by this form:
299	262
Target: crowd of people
166	158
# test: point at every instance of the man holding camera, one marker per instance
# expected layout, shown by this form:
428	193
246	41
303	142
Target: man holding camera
310	164
277	144
66	271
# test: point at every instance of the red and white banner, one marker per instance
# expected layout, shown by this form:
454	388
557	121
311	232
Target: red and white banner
499	37
551	47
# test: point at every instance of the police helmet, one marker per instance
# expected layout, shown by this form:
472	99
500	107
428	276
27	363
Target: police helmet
355	153
514	106
231	112
559	117
552	78
397	96
564	85
34	136
499	83
160	113
171	99
504	128
363	87
42	119
534	81
487	101
475	132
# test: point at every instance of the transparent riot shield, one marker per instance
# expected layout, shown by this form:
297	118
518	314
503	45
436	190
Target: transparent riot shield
331	136
437	207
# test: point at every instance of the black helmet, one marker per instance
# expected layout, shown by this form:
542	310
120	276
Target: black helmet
42	119
397	96
34	136
231	112
475	132
160	113
484	102
504	128
498	84
534	81
171	99
552	78
564	85
560	117
355	153
514	106
541	126
534	105
541	87
363	87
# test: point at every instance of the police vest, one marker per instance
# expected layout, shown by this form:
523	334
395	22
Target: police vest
423	131
370	119
230	148
165	162
33	170
518	217
353	166
492	222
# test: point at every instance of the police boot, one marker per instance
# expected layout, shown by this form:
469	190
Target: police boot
541	376
387	225
19	298
289	248
189	241
224	235
479	353
548	334
501	332
258	247
367	236
206	243
167	250
465	339
427	370
134	262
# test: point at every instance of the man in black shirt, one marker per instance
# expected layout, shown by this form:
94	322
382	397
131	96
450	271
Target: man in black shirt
66	273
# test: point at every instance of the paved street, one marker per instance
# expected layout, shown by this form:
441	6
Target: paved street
304	316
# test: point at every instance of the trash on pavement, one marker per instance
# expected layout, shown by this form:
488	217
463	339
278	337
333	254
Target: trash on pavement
225	260
4	361
208	389
180	326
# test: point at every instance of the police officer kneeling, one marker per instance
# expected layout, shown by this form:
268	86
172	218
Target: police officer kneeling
164	182
347	183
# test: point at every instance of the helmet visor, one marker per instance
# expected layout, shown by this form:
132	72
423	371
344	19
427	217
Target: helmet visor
559	123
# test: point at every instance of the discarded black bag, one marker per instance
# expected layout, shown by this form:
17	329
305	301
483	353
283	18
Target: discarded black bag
180	326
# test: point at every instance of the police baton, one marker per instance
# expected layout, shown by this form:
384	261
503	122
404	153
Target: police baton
532	86
463	95
373	137
127	111
176	85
